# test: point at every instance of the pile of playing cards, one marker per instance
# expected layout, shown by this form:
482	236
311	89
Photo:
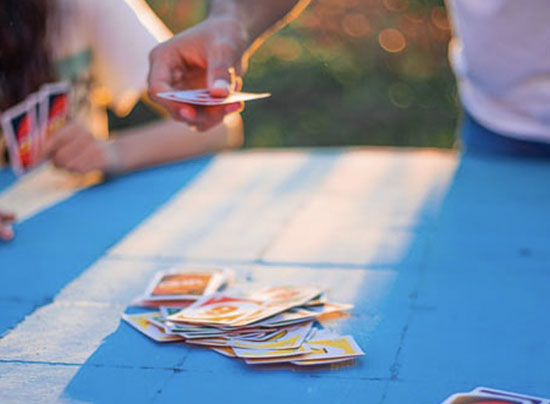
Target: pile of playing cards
271	325
485	395
202	97
27	125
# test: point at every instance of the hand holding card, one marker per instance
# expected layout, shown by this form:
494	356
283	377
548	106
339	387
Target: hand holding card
203	97
28	124
209	55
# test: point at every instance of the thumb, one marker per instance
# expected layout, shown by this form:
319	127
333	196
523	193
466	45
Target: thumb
223	61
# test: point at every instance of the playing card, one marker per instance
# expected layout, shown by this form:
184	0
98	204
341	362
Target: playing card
185	331
331	348
217	342
157	304
222	309
508	394
287	295
478	398
319	362
33	105
292	337
321	299
202	97
19	127
184	284
141	323
269	361
300	314
168	311
272	325
54	108
225	351
275	353
277	300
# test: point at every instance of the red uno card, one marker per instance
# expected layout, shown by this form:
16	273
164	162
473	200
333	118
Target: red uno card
54	107
185	284
510	395
19	125
479	398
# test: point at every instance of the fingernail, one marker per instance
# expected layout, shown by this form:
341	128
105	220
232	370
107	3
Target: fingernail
232	108
187	112
221	84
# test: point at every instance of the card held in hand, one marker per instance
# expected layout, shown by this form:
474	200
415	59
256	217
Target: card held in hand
202	97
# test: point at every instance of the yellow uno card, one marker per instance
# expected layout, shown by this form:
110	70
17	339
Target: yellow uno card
275	353
141	323
330	348
219	309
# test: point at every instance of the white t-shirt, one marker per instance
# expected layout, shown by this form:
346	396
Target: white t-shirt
102	48
501	57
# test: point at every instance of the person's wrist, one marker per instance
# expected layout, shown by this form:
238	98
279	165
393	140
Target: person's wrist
115	164
230	25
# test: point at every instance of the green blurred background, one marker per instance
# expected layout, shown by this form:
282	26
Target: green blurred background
348	72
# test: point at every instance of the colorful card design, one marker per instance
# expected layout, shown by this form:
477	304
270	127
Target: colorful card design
292	337
184	284
275	353
27	125
331	348
142	323
19	127
202	97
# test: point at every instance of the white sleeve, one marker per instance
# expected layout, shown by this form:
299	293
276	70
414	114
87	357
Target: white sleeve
121	34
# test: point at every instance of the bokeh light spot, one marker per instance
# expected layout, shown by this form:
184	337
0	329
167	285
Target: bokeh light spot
400	95
392	40
287	49
439	19
396	5
356	25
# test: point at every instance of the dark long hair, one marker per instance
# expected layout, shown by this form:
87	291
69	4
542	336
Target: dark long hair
25	62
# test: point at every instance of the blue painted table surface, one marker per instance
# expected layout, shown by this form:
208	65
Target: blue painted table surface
446	258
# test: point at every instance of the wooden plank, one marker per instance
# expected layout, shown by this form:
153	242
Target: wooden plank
234	210
371	210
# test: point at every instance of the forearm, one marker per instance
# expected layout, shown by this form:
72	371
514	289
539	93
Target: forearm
169	141
258	18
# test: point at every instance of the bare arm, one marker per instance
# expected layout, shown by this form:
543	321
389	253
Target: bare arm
214	54
170	141
258	18
73	148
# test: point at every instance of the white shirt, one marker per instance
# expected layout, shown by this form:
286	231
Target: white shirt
501	57
103	48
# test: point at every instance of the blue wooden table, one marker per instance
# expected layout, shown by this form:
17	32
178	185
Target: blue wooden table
447	261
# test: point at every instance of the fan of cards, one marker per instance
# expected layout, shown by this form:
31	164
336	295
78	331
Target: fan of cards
485	395
27	125
271	325
202	97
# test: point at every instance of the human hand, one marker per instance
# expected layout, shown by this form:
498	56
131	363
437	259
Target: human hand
6	221
74	148
208	55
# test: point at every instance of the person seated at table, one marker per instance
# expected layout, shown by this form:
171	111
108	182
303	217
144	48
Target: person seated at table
101	47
